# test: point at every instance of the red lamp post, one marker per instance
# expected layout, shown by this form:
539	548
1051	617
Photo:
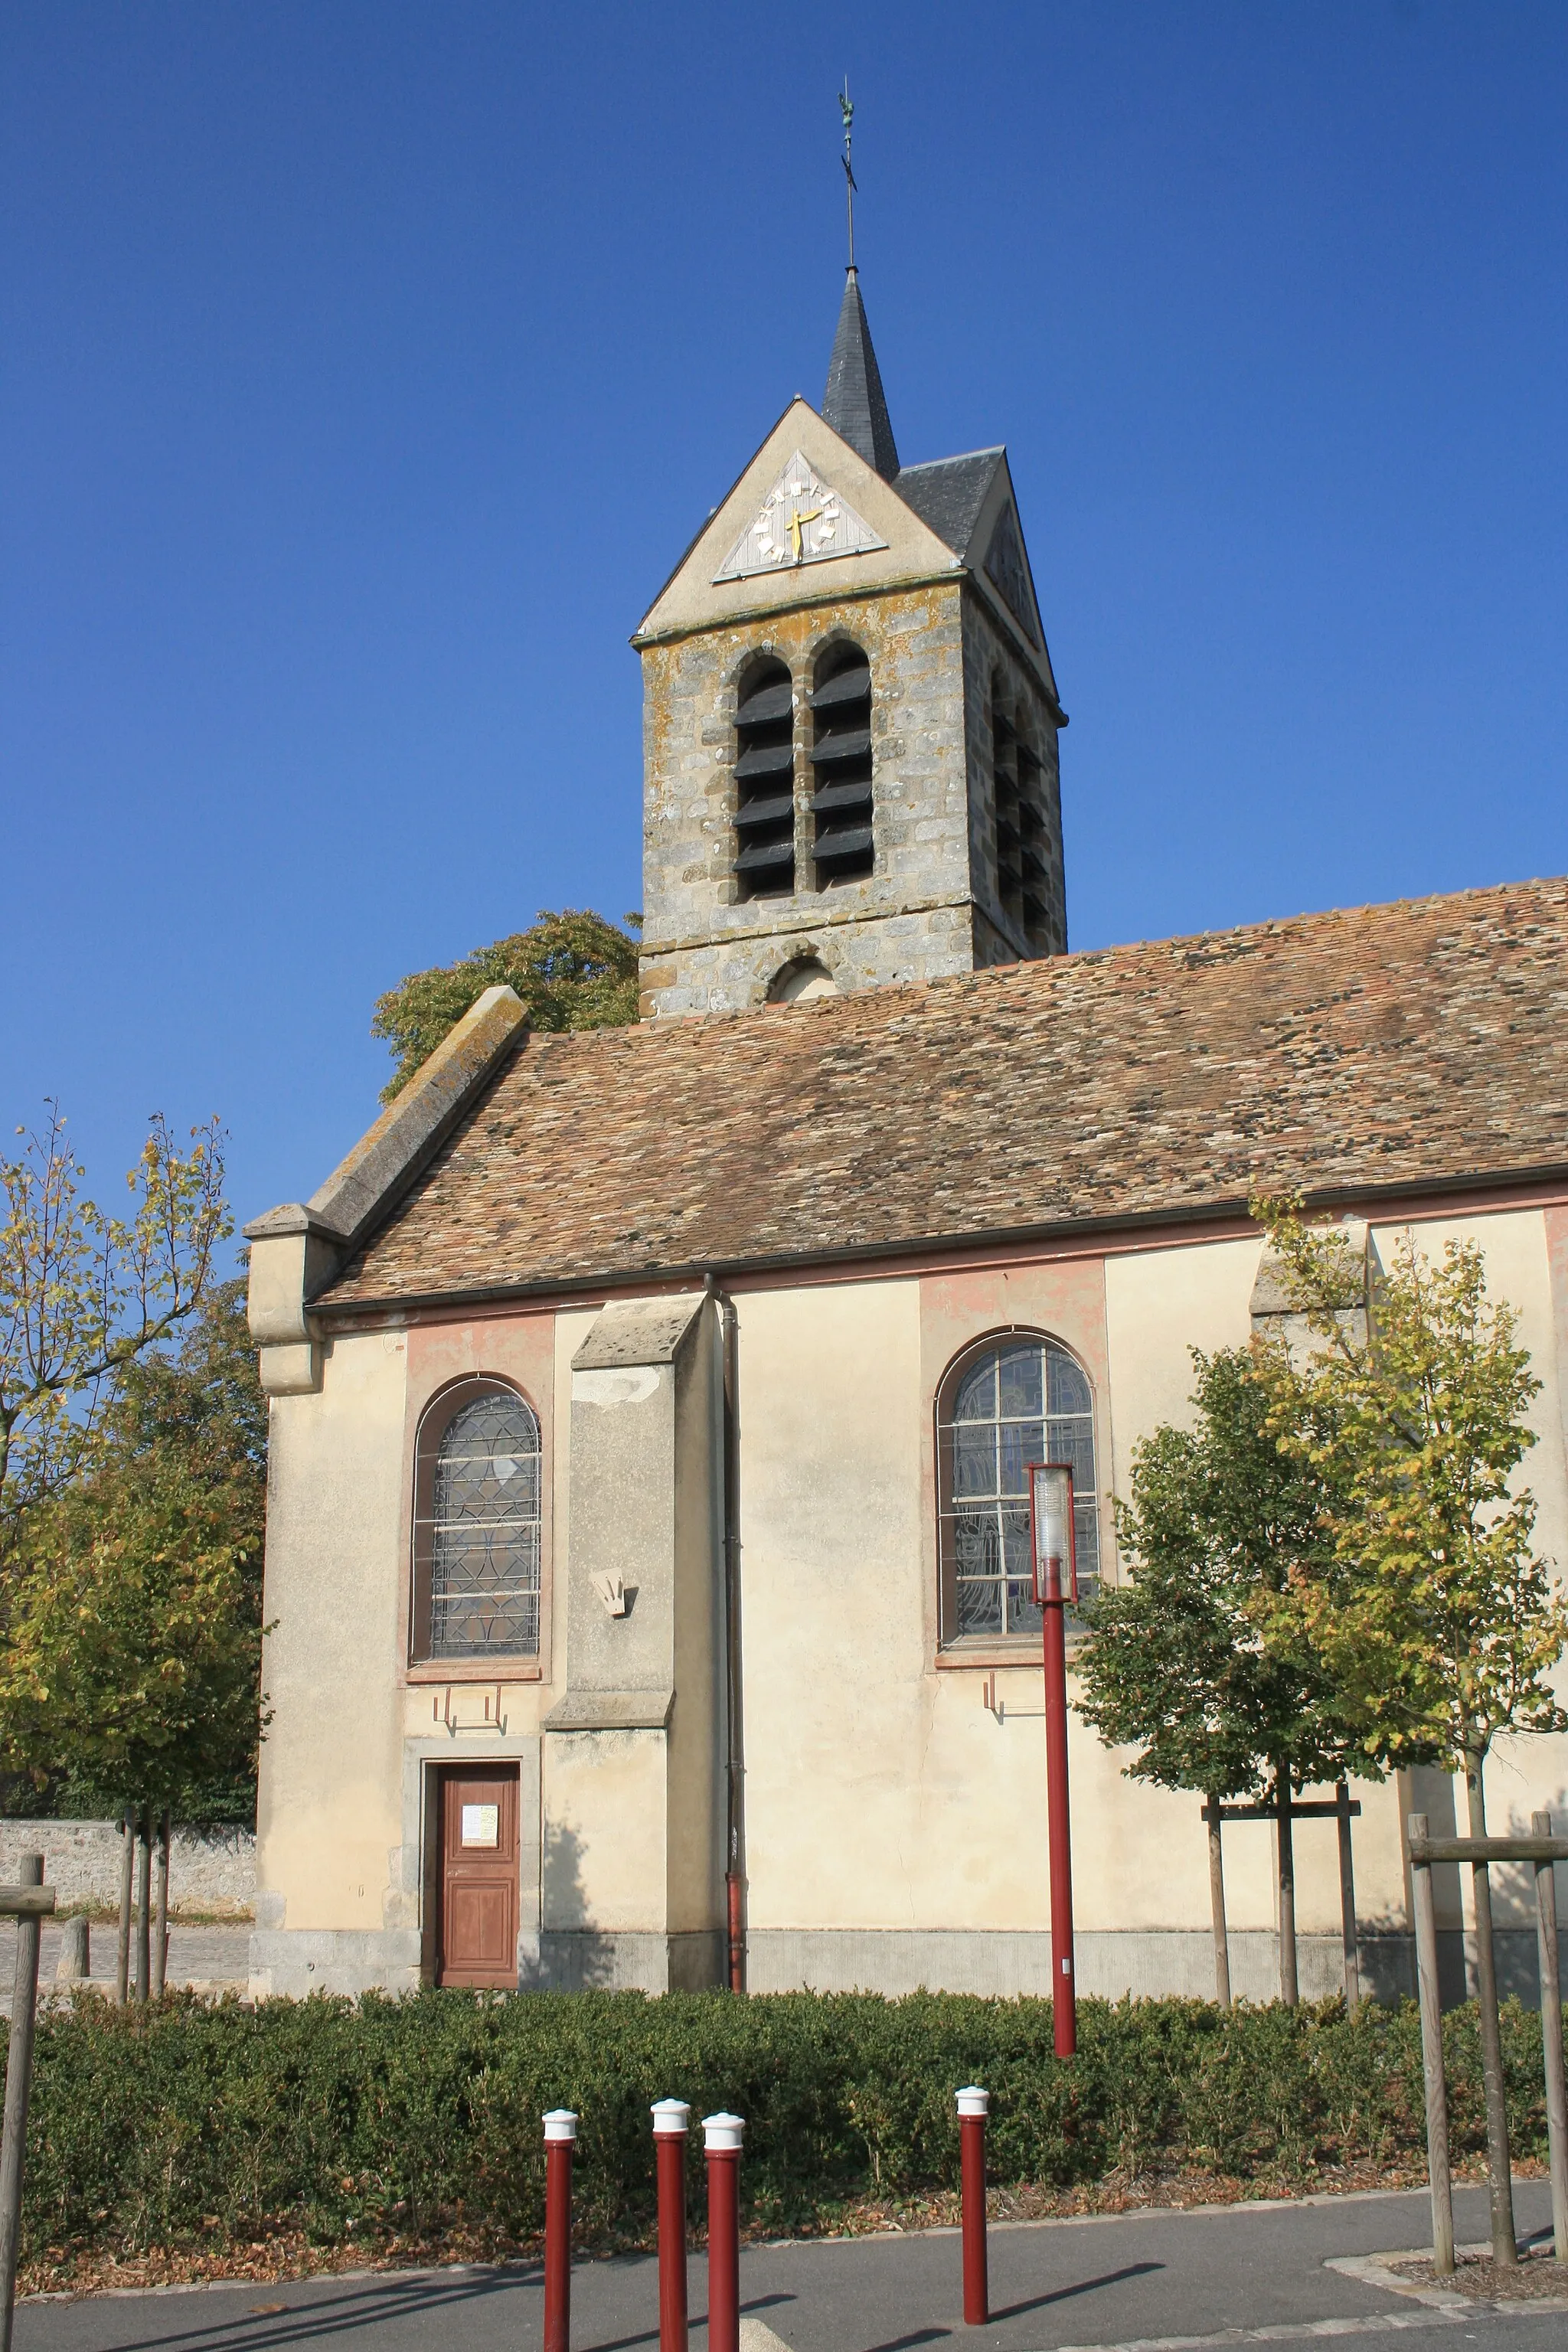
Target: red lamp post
1055	1559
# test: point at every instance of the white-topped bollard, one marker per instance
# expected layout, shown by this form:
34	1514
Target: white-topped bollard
560	2138
722	2135
974	2106
670	2119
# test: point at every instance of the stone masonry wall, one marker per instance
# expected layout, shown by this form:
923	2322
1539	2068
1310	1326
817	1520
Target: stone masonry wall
209	1870
706	948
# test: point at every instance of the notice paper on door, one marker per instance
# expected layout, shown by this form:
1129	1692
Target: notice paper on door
481	1824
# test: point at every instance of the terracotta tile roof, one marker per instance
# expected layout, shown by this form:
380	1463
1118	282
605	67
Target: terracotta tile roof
1423	1042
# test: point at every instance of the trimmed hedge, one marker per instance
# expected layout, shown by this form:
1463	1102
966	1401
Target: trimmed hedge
352	2121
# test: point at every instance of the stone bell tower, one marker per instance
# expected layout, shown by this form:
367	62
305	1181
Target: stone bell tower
851	722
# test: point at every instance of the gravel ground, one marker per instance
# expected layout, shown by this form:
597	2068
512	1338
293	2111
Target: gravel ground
1537	2274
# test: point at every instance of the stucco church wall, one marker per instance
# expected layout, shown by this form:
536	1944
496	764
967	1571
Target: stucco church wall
329	1809
895	1828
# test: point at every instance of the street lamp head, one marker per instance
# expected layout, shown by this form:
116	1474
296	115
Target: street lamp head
1051	1526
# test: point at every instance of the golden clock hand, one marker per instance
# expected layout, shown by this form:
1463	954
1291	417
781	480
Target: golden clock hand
795	520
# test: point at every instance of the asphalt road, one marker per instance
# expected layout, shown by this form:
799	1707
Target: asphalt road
1152	2280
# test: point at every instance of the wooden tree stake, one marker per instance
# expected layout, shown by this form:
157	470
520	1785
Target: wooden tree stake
127	1897
1290	1990
1215	1817
1552	2039
1431	2053
143	1900
1347	1898
29	1917
160	1907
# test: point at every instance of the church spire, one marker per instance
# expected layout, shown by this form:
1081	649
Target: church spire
854	403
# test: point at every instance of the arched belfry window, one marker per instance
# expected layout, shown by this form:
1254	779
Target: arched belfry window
477	1526
843	843
764	783
1004	1404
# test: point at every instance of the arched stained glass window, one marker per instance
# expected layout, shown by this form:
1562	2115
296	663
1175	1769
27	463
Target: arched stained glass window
1003	1406
477	1526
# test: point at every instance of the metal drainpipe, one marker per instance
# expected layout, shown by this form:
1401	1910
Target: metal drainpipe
734	1827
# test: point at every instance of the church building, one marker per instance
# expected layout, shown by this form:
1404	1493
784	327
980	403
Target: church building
647	1546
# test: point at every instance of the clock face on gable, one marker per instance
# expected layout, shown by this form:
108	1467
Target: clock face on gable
800	520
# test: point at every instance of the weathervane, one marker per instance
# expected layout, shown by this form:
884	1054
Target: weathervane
846	107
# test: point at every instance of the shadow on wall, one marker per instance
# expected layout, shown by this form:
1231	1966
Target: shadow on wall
567	1958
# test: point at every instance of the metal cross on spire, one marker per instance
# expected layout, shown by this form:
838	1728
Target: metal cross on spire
846	108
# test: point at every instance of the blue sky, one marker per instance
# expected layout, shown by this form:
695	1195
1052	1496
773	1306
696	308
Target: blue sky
368	366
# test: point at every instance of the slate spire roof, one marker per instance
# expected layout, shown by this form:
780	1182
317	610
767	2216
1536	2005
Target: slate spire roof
854	403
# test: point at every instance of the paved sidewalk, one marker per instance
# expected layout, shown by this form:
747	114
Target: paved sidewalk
1246	2274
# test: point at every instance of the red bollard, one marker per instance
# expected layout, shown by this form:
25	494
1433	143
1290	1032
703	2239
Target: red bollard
670	2118
560	2133
722	2136
973	2105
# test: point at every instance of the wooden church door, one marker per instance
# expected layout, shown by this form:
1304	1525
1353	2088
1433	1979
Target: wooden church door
477	1931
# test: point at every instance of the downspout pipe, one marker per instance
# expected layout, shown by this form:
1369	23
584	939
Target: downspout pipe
734	1767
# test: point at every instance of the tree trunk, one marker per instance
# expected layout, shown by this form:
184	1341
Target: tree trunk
143	1892
160	1906
1288	1987
1505	2253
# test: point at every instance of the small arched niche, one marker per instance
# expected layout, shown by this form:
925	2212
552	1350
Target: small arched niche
802	978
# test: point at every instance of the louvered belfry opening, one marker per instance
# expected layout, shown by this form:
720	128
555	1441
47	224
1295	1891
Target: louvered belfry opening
1022	874
843	843
764	783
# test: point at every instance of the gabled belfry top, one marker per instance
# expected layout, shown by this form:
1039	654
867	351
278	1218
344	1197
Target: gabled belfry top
854	403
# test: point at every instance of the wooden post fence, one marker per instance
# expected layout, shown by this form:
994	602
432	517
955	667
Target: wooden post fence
1283	1811
1541	1849
29	1904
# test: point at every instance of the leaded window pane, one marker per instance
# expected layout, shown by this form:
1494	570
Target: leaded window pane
484	1531
1021	1403
974	1460
976	1398
1019	1372
1021	1443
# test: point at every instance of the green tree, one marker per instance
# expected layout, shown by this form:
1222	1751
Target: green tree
132	1651
172	1518
84	1296
1436	1617
572	970
1187	1665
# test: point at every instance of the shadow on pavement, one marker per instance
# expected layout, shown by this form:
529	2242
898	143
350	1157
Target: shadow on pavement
377	2301
1084	2286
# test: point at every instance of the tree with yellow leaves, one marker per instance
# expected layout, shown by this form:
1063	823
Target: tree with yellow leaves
1438	1622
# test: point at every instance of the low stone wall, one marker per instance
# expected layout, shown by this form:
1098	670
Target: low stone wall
211	1870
